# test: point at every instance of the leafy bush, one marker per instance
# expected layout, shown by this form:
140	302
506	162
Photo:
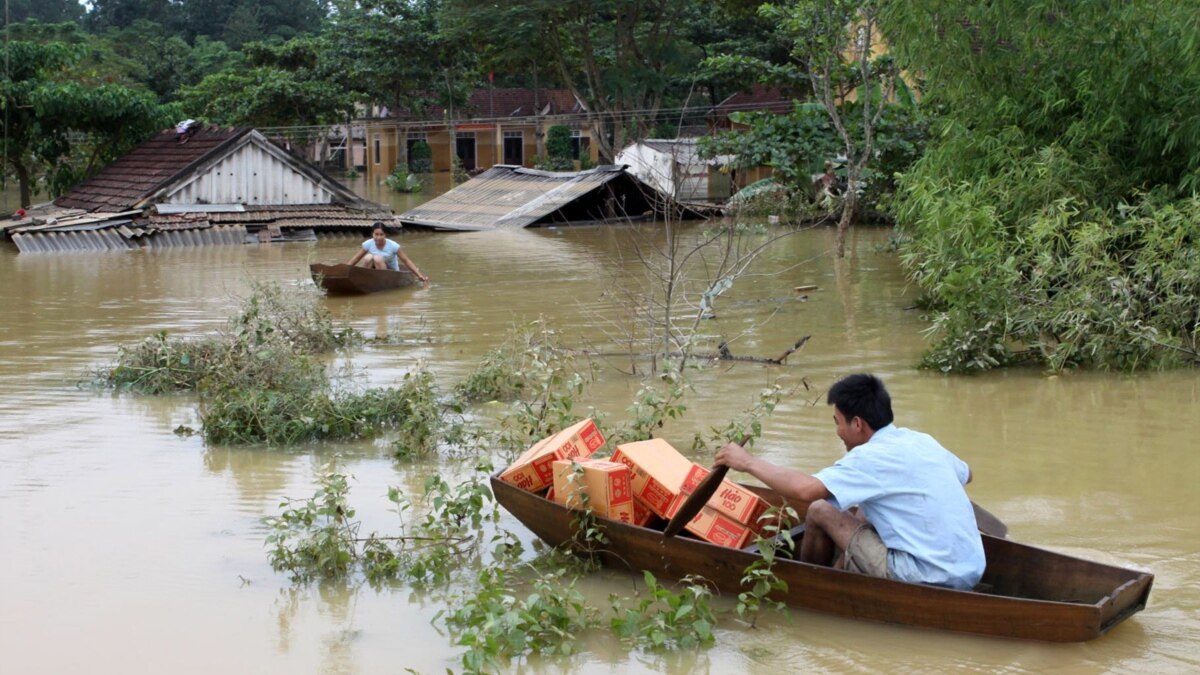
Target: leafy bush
260	347
665	619
420	158
400	180
234	415
559	156
1053	217
498	622
315	538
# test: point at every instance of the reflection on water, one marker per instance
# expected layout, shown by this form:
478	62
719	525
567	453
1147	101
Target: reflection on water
143	551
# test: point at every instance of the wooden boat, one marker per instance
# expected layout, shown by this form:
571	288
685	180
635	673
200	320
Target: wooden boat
1026	592
343	279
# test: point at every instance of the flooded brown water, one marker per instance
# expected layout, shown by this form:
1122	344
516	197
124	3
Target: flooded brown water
127	549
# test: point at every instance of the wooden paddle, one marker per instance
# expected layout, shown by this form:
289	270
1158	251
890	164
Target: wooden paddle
987	523
696	501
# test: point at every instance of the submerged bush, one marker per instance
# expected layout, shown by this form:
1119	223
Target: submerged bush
316	537
664	619
272	326
234	415
400	180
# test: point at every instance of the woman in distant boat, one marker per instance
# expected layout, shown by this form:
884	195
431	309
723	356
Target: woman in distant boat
382	253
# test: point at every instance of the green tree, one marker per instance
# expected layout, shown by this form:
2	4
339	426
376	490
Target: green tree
397	54
61	125
46	11
558	148
293	83
105	14
1053	216
621	58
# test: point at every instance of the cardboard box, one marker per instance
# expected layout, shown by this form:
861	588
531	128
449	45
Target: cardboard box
730	498
659	472
643	516
606	484
714	526
533	470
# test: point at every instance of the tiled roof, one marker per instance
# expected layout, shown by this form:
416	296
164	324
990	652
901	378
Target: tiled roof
145	170
758	98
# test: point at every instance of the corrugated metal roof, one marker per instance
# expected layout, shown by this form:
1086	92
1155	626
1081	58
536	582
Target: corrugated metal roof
508	197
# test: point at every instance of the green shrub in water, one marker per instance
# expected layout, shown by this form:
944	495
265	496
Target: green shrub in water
400	180
499	621
258	348
664	619
280	417
316	537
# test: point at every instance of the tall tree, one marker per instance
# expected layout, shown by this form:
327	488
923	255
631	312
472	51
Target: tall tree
293	83
46	11
397	54
61	125
620	57
106	14
837	44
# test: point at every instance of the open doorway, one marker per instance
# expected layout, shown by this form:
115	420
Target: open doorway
514	148
464	147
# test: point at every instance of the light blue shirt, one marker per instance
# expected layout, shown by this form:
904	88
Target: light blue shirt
911	489
390	248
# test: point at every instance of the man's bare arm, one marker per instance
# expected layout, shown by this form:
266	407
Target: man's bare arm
790	483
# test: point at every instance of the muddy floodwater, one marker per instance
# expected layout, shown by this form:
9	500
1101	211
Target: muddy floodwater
125	548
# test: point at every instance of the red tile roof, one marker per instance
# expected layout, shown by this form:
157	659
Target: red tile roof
758	98
149	167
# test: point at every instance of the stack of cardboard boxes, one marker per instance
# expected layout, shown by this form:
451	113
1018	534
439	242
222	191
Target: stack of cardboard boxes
663	479
645	483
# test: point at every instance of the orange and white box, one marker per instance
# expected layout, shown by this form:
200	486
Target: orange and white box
730	498
606	484
714	526
659	472
533	470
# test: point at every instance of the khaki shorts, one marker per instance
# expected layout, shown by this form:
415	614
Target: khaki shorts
867	554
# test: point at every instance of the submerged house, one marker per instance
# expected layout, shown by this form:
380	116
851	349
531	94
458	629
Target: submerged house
496	126
676	169
514	197
214	186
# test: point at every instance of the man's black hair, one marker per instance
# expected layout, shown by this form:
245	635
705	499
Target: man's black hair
864	396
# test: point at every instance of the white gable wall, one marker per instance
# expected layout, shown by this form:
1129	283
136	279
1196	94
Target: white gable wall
661	170
250	175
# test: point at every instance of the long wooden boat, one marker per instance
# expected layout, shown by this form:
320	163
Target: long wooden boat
343	279
1026	592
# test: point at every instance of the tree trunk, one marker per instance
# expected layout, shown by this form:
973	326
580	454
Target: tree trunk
849	206
22	181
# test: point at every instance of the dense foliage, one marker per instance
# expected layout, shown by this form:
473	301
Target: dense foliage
60	121
1054	215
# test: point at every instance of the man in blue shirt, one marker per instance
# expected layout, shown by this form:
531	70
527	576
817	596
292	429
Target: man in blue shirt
384	254
914	521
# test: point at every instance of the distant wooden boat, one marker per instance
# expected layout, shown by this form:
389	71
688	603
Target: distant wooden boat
1026	592
343	279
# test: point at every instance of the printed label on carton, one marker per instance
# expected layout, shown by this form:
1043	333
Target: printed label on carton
713	526
731	499
533	470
